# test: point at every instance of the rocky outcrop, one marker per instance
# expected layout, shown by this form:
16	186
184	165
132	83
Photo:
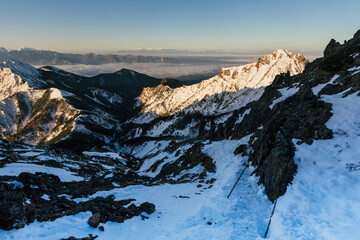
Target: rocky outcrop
302	117
94	220
10	83
332	45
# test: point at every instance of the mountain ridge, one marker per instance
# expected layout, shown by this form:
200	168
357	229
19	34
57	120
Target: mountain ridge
165	101
47	57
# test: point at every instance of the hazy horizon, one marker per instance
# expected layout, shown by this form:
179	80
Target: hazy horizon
93	26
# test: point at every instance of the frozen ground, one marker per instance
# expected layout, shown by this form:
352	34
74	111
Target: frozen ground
183	211
14	169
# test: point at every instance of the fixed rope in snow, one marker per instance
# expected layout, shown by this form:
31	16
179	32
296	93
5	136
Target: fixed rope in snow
236	182
272	213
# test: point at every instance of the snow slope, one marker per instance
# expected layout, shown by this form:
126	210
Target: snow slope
324	200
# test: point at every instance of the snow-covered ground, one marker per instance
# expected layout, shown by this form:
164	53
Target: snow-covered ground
14	169
183	211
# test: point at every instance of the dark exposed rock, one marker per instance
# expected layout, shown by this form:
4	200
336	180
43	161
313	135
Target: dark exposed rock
147	207
90	237
339	57
357	34
301	116
46	183
12	207
241	150
94	220
333	44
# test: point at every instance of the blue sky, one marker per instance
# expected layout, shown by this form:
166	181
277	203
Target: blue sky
82	26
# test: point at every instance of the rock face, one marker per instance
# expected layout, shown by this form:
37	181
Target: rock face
332	45
302	116
193	157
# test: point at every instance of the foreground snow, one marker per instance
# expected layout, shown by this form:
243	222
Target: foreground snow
183	211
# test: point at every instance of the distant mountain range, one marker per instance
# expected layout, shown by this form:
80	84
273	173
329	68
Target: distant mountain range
45	57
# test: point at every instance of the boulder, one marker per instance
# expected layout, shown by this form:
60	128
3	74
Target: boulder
147	207
94	220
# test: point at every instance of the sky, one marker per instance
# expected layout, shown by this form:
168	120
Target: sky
230	25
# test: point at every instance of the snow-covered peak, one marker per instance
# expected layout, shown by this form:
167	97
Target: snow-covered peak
55	94
235	82
28	73
26	49
31	116
10	83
